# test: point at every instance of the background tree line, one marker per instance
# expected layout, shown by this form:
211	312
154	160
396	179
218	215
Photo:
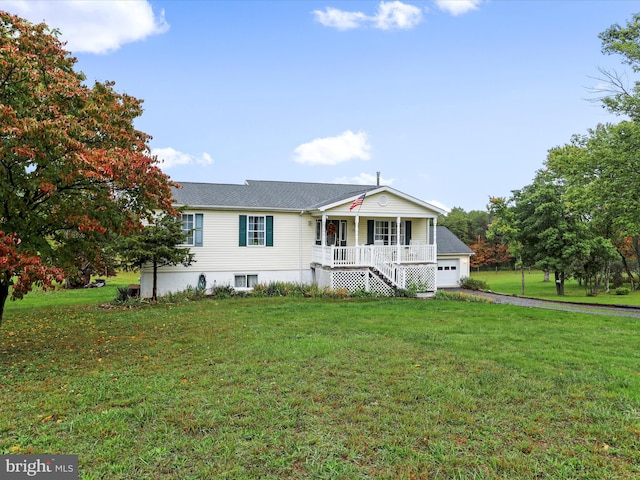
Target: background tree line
580	217
471	227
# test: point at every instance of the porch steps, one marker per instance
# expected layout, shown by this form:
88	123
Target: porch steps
383	277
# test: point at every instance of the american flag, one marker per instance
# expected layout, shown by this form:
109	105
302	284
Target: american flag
357	202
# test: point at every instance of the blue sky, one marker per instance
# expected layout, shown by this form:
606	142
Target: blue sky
452	101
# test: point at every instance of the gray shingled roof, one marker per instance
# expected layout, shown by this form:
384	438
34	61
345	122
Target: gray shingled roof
449	244
266	194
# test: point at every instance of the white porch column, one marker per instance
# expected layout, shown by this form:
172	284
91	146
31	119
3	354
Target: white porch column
435	240
398	253
435	230
357	223
323	234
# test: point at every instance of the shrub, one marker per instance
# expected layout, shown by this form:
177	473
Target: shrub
460	297
223	291
405	293
314	291
188	294
280	289
362	293
126	297
473	283
623	291
290	289
122	294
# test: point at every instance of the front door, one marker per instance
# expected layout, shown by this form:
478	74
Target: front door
336	233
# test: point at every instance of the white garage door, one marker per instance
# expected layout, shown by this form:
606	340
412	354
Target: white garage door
448	273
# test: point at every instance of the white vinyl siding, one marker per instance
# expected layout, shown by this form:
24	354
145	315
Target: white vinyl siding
391	206
223	253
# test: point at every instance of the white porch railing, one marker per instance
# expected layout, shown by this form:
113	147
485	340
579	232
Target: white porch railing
373	255
384	265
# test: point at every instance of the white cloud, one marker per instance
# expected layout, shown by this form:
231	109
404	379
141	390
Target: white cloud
390	15
458	7
171	158
332	17
365	179
438	204
334	150
93	26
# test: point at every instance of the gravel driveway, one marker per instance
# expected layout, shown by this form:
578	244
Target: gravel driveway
619	311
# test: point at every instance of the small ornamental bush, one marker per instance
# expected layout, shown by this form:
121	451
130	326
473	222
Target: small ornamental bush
222	291
405	293
623	291
362	293
473	284
122	295
460	297
125	297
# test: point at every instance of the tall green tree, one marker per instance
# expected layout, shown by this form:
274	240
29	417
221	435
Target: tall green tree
591	256
547	229
73	169
623	41
543	232
505	228
159	244
601	172
456	220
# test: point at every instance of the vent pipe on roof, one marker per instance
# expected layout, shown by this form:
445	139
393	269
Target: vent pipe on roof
378	179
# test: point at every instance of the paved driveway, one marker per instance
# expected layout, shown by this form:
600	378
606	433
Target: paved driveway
619	311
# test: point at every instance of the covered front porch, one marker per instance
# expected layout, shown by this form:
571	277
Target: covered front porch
398	253
371	255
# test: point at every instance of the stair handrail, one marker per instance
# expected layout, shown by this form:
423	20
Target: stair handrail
386	268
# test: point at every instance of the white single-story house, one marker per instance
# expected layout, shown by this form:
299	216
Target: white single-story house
371	237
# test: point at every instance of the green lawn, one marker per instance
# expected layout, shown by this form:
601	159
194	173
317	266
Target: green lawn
510	282
61	297
307	388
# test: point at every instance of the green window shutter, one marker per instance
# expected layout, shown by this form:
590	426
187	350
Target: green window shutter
407	232
198	230
243	231
269	221
370	226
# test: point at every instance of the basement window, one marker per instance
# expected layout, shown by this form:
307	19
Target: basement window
245	281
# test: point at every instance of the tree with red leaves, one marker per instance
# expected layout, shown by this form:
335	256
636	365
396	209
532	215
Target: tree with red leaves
489	254
73	169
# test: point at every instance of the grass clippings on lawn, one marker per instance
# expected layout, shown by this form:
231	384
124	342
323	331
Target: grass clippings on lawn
305	388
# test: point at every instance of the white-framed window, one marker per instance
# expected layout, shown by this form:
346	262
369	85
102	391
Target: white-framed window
192	226
245	281
256	230
386	231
